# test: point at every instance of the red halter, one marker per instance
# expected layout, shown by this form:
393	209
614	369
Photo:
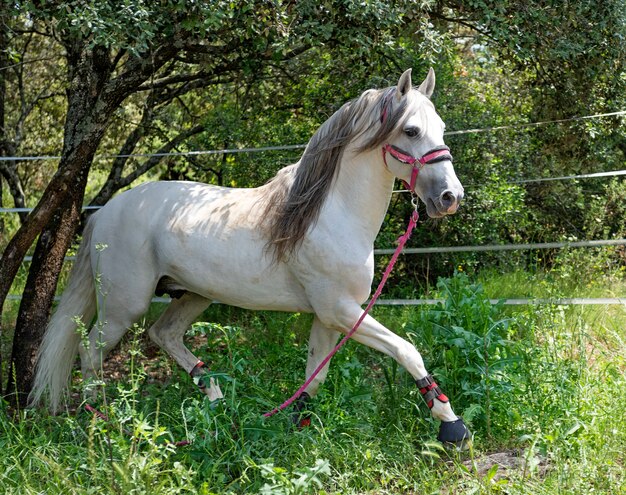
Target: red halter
438	154
435	155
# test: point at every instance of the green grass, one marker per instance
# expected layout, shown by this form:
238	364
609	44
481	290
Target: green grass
547	382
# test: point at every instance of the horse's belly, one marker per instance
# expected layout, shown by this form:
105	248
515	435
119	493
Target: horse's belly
247	281
262	297
268	293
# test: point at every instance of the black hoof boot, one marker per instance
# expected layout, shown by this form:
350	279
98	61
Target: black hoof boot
455	435
301	417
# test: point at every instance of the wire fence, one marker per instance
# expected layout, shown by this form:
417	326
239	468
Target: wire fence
557	301
521	125
612	173
596	175
478	248
407	251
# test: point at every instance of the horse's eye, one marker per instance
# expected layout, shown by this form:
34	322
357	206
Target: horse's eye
412	132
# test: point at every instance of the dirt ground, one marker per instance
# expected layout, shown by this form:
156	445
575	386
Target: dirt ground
509	462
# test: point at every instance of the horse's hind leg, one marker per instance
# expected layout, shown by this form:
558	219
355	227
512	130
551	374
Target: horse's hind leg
168	333
117	311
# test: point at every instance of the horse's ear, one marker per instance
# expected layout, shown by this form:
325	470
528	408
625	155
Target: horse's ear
428	86
404	84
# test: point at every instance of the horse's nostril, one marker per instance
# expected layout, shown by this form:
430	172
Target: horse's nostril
449	201
447	198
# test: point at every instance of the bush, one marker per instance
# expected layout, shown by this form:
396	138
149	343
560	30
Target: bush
476	352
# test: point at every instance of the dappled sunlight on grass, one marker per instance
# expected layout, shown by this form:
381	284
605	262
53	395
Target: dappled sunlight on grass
550	284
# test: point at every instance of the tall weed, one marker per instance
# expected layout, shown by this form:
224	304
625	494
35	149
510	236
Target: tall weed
477	352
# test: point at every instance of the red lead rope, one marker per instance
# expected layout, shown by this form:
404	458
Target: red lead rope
401	242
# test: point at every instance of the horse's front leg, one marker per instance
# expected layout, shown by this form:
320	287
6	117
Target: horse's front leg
373	334
321	342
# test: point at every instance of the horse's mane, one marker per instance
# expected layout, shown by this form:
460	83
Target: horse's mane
296	194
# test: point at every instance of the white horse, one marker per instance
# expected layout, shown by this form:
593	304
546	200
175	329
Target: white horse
301	243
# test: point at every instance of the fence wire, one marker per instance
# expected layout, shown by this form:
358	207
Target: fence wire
407	251
562	301
228	151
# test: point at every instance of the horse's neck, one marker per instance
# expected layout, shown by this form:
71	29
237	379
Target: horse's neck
363	188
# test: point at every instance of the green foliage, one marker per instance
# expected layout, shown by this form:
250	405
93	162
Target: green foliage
495	213
280	483
547	382
605	215
487	89
565	48
474	350
497	64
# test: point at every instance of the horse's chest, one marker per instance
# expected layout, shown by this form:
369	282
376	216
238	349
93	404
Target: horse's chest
344	272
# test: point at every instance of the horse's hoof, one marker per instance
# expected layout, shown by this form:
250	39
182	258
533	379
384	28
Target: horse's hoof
455	435
301	417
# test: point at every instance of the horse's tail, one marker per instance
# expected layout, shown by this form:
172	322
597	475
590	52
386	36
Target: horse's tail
60	341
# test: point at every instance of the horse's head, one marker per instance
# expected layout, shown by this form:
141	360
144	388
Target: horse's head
415	151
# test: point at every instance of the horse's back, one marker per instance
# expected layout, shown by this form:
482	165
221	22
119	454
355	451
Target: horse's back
129	231
208	239
137	213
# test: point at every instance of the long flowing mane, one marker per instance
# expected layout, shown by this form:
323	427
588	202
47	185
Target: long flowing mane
297	193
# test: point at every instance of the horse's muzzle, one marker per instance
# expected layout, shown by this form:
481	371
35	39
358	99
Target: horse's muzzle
447	203
450	201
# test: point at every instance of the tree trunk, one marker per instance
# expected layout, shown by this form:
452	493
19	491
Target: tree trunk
56	217
39	293
93	97
57	214
3	63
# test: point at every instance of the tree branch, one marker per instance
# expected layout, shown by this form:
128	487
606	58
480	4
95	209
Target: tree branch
9	172
219	173
118	56
177	92
168	80
115	181
138	70
31	61
155	160
466	23
110	186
